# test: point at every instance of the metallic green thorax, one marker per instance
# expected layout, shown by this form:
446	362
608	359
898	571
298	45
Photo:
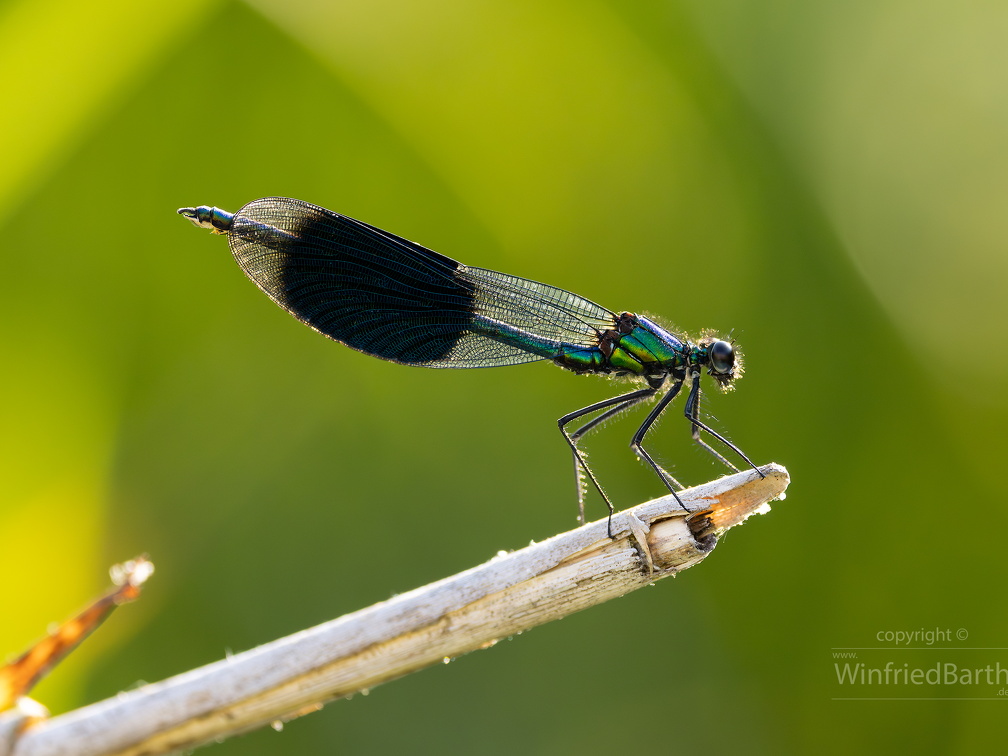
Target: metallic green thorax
636	346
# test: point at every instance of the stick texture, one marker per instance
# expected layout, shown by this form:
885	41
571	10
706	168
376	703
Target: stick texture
468	611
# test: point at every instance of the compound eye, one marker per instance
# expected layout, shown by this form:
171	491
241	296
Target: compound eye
722	357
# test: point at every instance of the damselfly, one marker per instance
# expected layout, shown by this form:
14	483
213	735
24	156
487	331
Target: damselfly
394	299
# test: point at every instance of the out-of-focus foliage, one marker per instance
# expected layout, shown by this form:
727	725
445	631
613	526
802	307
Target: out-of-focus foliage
825	180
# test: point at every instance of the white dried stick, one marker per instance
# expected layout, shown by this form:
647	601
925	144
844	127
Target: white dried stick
510	593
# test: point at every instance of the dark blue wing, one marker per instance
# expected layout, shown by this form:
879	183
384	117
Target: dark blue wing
391	298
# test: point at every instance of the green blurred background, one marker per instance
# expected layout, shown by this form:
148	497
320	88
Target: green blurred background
827	179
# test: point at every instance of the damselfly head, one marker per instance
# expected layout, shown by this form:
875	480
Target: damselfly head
722	359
